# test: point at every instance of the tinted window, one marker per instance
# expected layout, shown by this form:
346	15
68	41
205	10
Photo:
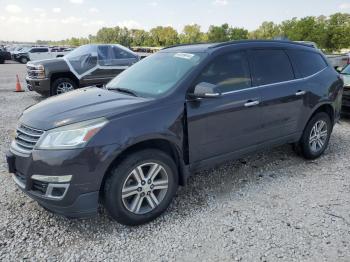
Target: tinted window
270	66
229	72
307	63
109	55
39	50
119	53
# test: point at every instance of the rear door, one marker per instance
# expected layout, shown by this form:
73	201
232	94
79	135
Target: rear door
231	122
282	98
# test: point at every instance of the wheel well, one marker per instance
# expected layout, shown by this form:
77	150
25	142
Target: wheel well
69	75
160	144
328	109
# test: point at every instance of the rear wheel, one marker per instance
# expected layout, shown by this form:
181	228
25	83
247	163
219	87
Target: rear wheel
62	85
316	136
2	61
141	187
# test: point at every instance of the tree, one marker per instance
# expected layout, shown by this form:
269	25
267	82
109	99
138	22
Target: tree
140	37
237	33
164	36
267	30
338	32
191	34
218	33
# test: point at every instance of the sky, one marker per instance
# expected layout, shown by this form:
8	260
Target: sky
30	20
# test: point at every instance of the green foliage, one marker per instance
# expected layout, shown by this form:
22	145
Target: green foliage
329	33
191	34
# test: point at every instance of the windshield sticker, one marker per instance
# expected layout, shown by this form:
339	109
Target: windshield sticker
184	55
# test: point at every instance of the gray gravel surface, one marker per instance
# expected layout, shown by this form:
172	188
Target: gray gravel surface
267	207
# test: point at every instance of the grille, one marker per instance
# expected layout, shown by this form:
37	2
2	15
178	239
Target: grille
27	137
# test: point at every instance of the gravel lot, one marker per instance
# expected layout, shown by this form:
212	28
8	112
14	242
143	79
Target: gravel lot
266	207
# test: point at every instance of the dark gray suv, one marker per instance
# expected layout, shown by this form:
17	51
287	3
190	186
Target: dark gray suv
183	109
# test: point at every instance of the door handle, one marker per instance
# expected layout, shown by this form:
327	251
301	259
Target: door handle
251	103
300	93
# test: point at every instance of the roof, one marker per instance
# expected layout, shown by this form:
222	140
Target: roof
206	47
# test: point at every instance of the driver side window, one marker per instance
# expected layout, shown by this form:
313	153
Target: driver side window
229	72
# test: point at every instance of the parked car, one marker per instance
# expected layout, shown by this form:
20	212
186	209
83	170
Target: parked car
339	61
38	53
181	110
345	73
4	55
84	66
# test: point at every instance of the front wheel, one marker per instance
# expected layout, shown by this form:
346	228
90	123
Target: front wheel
141	187
23	60
316	136
62	85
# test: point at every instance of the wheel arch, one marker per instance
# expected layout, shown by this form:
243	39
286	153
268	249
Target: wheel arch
70	75
326	108
162	144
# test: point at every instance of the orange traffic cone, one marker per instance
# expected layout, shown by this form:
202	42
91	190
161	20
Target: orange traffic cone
18	85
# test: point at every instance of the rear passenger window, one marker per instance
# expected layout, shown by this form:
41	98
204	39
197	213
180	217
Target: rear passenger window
270	66
306	63
229	72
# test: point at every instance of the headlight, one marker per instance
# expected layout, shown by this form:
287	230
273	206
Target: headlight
37	71
71	136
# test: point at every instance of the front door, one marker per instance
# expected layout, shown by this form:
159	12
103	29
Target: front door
229	123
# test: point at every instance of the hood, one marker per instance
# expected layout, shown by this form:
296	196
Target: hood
79	105
47	62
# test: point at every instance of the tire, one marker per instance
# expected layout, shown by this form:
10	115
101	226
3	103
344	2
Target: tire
312	150
62	85
2	61
121	177
23	60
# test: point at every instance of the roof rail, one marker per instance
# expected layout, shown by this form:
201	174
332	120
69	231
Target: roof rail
255	41
200	43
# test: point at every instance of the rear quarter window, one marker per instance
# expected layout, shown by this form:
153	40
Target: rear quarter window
270	66
306	63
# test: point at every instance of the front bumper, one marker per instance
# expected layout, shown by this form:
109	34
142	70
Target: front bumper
79	197
41	86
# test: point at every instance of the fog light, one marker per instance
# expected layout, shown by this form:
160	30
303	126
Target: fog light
53	179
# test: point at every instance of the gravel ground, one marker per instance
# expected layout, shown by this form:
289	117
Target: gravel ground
266	207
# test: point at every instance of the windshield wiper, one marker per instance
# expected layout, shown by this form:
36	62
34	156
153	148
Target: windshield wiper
124	90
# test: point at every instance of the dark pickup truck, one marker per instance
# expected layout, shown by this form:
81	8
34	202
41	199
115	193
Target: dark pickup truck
4	55
87	65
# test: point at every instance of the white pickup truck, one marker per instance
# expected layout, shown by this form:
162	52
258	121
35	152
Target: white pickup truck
41	53
38	53
339	61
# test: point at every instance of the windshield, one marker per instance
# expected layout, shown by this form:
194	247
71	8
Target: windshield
156	74
346	70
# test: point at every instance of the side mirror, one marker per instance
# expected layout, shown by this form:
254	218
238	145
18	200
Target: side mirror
205	90
339	69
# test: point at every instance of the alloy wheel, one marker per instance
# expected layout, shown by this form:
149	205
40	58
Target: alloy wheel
145	188
318	136
64	87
